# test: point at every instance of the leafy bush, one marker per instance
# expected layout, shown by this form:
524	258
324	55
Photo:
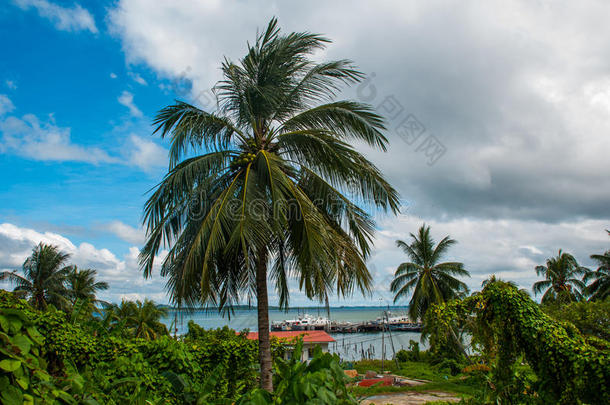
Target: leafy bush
450	366
321	381
413	354
23	375
118	370
590	318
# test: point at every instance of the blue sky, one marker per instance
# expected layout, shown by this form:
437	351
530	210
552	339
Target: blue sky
69	82
520	106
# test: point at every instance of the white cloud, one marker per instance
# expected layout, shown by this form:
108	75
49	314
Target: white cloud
113	75
122	274
138	79
127	233
29	137
508	97
126	99
6	105
75	18
509	248
11	84
146	154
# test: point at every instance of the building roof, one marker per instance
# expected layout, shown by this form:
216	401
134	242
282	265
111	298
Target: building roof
309	336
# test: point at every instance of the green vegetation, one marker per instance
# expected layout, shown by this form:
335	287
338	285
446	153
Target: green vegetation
321	381
43	350
562	279
44	277
509	328
590	318
599	289
268	183
432	282
82	285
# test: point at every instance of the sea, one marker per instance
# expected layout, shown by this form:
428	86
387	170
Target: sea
349	346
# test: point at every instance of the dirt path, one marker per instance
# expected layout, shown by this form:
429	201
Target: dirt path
410	398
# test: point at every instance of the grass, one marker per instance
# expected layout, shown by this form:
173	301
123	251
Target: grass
461	385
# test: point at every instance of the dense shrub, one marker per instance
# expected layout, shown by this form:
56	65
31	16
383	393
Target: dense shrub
412	354
121	370
321	381
510	327
590	318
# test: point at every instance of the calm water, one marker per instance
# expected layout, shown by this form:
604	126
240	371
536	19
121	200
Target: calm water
349	346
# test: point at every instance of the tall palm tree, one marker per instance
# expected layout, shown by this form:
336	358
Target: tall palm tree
562	279
44	276
267	189
81	285
599	289
432	282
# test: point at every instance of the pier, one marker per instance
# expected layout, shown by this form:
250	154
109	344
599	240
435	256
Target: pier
385	323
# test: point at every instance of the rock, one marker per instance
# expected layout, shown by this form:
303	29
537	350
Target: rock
370	374
351	373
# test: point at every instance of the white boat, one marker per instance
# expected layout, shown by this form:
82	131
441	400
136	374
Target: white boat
305	322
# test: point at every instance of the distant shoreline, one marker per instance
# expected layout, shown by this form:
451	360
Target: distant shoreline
277	308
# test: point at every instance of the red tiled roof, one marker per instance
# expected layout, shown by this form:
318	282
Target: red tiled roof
309	336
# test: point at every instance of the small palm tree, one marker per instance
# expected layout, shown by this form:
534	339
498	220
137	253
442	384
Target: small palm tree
140	319
432	282
493	279
147	320
261	189
562	279
599	289
81	285
44	277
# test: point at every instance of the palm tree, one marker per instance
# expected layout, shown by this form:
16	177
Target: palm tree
142	319
494	279
44	276
599	289
562	279
81	285
271	195
432	282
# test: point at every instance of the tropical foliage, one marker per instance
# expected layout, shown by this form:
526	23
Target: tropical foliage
82	285
599	289
431	281
43	276
111	369
319	381
562	279
268	180
591	318
569	367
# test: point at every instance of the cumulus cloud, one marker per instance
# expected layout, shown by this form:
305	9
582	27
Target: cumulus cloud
122	273
74	18
520	106
138	79
27	136
509	248
126	99
125	232
6	105
146	154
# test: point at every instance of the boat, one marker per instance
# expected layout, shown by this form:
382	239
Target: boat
305	322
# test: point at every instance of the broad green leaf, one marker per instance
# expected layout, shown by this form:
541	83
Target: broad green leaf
10	365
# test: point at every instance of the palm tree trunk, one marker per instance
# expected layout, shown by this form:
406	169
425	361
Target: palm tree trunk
264	344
